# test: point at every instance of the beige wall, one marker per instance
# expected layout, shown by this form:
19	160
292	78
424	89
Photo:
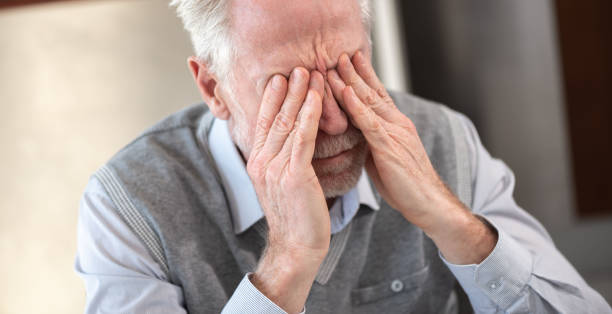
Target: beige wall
77	82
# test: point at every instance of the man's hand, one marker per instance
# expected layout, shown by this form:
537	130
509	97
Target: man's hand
288	189
400	168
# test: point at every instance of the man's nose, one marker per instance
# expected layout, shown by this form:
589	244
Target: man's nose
333	119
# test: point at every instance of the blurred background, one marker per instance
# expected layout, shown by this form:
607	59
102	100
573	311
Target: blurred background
79	79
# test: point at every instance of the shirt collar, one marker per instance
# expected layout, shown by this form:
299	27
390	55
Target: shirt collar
243	202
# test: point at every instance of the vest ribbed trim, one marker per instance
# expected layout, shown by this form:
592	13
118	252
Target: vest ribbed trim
132	217
262	228
336	247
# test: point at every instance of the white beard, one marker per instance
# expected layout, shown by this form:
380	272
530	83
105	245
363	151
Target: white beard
339	184
335	180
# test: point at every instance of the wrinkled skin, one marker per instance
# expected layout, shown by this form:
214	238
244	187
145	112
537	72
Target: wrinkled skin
293	39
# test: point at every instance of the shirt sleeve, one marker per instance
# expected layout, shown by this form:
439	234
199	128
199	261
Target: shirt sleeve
524	273
120	274
248	299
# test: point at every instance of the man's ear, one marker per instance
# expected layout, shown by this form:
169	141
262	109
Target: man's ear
207	85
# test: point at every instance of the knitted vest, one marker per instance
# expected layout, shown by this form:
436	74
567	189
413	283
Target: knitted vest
167	188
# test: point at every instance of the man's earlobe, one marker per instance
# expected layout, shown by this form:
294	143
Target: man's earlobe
207	85
218	109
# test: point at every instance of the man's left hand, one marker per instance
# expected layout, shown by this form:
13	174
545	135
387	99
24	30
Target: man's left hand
400	168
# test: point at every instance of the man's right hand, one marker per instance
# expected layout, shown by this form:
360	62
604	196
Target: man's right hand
288	189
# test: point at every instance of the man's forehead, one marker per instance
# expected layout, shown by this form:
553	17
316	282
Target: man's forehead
277	36
282	19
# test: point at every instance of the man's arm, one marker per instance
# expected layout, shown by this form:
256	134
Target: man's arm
515	265
525	272
400	166
120	275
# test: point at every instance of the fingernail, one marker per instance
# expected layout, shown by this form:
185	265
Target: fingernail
359	55
298	74
277	82
313	78
332	74
344	58
315	73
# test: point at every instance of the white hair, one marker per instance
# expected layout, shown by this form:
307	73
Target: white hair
207	22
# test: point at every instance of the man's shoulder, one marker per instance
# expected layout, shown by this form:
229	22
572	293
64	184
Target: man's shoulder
168	151
165	167
172	136
190	117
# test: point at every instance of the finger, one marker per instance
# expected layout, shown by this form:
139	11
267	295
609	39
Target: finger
370	124
365	70
317	82
273	97
350	77
285	119
369	96
306	133
336	84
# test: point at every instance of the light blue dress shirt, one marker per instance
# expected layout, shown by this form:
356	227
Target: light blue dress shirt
121	276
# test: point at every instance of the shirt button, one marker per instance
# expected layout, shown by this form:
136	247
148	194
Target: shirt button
493	284
397	285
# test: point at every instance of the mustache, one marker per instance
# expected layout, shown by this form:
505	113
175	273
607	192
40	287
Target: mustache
329	146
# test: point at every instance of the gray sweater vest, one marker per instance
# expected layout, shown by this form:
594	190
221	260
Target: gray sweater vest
167	188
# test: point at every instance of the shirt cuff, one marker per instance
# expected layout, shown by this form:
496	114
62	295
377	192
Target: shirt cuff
501	276
248	299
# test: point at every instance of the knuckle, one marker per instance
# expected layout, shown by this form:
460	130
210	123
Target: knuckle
353	80
300	140
371	123
374	126
296	124
283	122
362	114
293	97
382	92
370	98
307	116
379	107
263	122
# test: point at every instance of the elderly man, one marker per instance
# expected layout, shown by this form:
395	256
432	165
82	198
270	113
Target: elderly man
307	186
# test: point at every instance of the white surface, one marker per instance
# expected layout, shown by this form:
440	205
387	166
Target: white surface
387	43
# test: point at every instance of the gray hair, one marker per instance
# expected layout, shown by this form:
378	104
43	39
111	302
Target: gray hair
207	22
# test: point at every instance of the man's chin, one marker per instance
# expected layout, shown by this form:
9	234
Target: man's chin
341	177
340	184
